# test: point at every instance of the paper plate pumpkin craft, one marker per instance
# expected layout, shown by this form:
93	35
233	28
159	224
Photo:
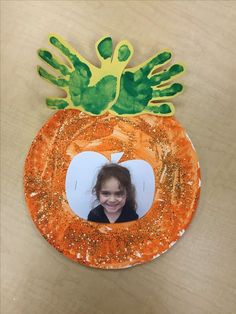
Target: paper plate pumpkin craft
118	119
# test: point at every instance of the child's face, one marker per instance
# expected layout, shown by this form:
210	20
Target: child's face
111	197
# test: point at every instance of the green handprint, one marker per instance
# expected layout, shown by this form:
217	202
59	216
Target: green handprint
89	88
140	89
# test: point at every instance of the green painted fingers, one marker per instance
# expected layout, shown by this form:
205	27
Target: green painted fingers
104	48
111	87
89	88
142	91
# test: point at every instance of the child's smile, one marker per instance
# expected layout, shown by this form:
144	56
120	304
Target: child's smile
111	196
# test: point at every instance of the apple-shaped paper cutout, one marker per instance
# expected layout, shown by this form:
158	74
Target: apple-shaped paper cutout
82	175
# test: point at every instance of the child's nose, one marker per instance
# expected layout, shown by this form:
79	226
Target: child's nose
112	198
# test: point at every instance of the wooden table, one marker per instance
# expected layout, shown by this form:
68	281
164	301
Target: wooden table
198	274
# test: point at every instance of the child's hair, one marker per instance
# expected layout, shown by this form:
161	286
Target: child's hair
122	174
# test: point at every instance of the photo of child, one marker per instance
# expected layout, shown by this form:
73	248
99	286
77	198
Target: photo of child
116	196
92	179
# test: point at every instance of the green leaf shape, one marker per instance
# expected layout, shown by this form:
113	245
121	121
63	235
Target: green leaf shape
111	88
76	80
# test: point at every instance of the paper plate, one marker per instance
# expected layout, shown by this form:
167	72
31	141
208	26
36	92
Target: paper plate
160	142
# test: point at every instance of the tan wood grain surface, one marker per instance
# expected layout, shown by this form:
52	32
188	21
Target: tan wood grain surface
197	275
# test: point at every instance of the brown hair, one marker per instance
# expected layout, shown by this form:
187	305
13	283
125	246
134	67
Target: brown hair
122	174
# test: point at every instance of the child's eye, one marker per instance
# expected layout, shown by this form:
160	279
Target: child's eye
105	193
120	194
